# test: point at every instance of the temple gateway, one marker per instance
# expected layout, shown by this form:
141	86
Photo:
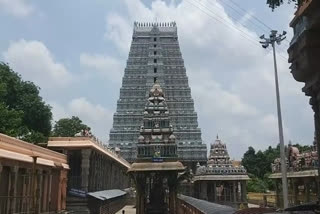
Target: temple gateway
156	168
155	57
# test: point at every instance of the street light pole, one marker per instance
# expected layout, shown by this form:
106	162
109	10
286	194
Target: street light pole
271	40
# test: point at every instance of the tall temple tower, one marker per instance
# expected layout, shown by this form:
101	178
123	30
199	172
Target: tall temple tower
155	57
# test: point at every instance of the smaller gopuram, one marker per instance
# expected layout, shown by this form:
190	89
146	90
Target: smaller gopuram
156	168
220	181
302	175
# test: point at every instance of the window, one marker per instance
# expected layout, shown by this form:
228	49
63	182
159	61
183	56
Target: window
155	60
154	46
155	39
155	79
155	70
155	53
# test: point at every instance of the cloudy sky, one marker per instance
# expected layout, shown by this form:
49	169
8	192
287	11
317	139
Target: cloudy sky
76	52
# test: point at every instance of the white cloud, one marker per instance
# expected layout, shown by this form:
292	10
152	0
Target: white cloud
231	76
118	30
108	66
83	107
58	111
19	8
95	116
34	61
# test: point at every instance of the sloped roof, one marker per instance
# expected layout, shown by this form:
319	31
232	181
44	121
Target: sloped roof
85	142
107	194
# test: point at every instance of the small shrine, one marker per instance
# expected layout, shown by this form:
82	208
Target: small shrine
221	181
302	175
156	168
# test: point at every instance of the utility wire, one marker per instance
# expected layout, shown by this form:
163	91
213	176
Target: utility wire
283	49
230	25
254	17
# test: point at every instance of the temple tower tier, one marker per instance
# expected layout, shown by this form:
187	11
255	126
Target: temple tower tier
155	57
222	181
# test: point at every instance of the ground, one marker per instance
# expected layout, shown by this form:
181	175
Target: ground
129	209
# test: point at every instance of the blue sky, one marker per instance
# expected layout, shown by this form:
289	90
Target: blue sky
76	52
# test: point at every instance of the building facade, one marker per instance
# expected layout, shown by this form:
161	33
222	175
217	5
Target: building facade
302	175
155	57
304	54
220	181
93	168
32	179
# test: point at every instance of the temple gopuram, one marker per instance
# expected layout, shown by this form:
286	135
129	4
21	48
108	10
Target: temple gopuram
156	168
302	175
155	56
220	181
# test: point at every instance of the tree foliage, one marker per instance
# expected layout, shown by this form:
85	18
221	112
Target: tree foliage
276	3
68	127
259	163
257	185
23	113
258	166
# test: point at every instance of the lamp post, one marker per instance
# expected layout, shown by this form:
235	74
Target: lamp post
277	38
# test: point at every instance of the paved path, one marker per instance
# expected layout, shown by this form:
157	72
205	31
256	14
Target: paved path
129	209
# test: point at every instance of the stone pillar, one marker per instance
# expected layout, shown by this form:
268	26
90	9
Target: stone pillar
172	199
315	103
295	191
27	201
224	192
49	188
234	191
85	166
45	192
92	184
140	181
278	199
63	189
244	191
215	191
104	184
203	190
13	188
306	190
38	190
1	168
102	173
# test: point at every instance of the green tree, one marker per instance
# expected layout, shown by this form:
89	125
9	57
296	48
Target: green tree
257	185
258	165
249	161
11	121
68	127
24	114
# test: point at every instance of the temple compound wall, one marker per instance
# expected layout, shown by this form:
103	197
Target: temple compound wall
93	168
32	179
220	181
